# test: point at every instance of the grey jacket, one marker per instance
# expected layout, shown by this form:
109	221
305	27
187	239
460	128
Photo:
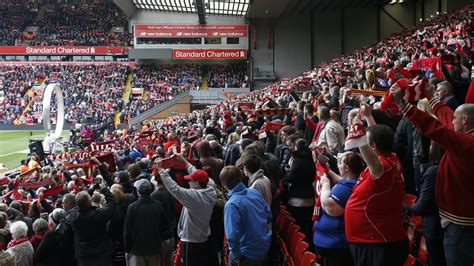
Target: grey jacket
198	204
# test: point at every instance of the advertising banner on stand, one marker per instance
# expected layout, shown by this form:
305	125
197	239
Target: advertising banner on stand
209	54
63	50
183	31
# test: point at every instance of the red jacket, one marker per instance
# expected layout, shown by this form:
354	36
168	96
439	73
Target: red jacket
170	143
455	178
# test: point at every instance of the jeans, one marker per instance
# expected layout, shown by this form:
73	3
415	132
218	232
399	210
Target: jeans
459	244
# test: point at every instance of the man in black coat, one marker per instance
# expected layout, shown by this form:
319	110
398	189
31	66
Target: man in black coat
92	244
145	226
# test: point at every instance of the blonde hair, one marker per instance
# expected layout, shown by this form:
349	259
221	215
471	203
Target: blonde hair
425	107
117	192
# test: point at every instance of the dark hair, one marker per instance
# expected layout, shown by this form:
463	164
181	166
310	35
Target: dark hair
355	163
292	138
134	170
301	105
230	176
310	108
301	144
252	163
259	147
382	136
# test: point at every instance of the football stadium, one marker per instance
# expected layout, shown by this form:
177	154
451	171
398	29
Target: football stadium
236	132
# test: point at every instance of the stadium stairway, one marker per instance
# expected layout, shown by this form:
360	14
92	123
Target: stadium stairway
204	84
41	12
128	88
125	96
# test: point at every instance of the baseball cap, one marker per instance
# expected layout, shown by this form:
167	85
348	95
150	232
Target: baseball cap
144	186
200	176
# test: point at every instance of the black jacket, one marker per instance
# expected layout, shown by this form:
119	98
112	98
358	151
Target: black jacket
298	181
49	251
91	239
145	226
426	207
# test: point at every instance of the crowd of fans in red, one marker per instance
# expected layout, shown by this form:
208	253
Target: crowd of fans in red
93	85
339	163
85	87
74	23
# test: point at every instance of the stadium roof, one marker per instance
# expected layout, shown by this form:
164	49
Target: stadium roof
215	7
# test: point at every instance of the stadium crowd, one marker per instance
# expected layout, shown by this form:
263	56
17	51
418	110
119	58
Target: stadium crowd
340	160
74	23
234	76
84	86
93	85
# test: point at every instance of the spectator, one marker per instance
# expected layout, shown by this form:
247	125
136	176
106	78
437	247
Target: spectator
247	221
257	179
198	203
145	226
51	249
373	214
19	245
331	133
329	236
91	242
40	226
445	93
298	184
454	173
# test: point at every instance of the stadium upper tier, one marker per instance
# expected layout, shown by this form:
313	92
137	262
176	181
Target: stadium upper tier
94	92
53	22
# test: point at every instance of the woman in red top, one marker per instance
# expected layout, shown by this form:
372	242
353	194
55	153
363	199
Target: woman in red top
373	214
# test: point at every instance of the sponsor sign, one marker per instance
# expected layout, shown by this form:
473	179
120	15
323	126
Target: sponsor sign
63	50
190	31
209	54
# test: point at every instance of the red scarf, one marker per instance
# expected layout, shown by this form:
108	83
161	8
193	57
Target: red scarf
15	242
317	191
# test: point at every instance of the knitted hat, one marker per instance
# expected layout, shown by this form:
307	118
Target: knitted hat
412	92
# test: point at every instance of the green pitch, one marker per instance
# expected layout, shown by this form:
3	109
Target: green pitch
14	145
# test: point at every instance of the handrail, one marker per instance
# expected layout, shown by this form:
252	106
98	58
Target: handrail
160	107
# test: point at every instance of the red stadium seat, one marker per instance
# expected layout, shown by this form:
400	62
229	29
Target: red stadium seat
291	230
410	261
285	257
308	259
299	251
295	239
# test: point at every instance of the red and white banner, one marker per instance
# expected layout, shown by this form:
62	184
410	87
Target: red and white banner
63	50
189	31
209	54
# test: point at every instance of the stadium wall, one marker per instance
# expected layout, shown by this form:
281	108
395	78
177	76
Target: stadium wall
292	45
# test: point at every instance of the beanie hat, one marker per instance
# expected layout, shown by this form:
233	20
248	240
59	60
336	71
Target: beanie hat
144	186
412	92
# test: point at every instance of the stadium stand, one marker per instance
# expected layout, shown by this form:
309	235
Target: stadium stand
307	171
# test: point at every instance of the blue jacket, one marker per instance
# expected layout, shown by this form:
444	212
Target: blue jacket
134	154
246	222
